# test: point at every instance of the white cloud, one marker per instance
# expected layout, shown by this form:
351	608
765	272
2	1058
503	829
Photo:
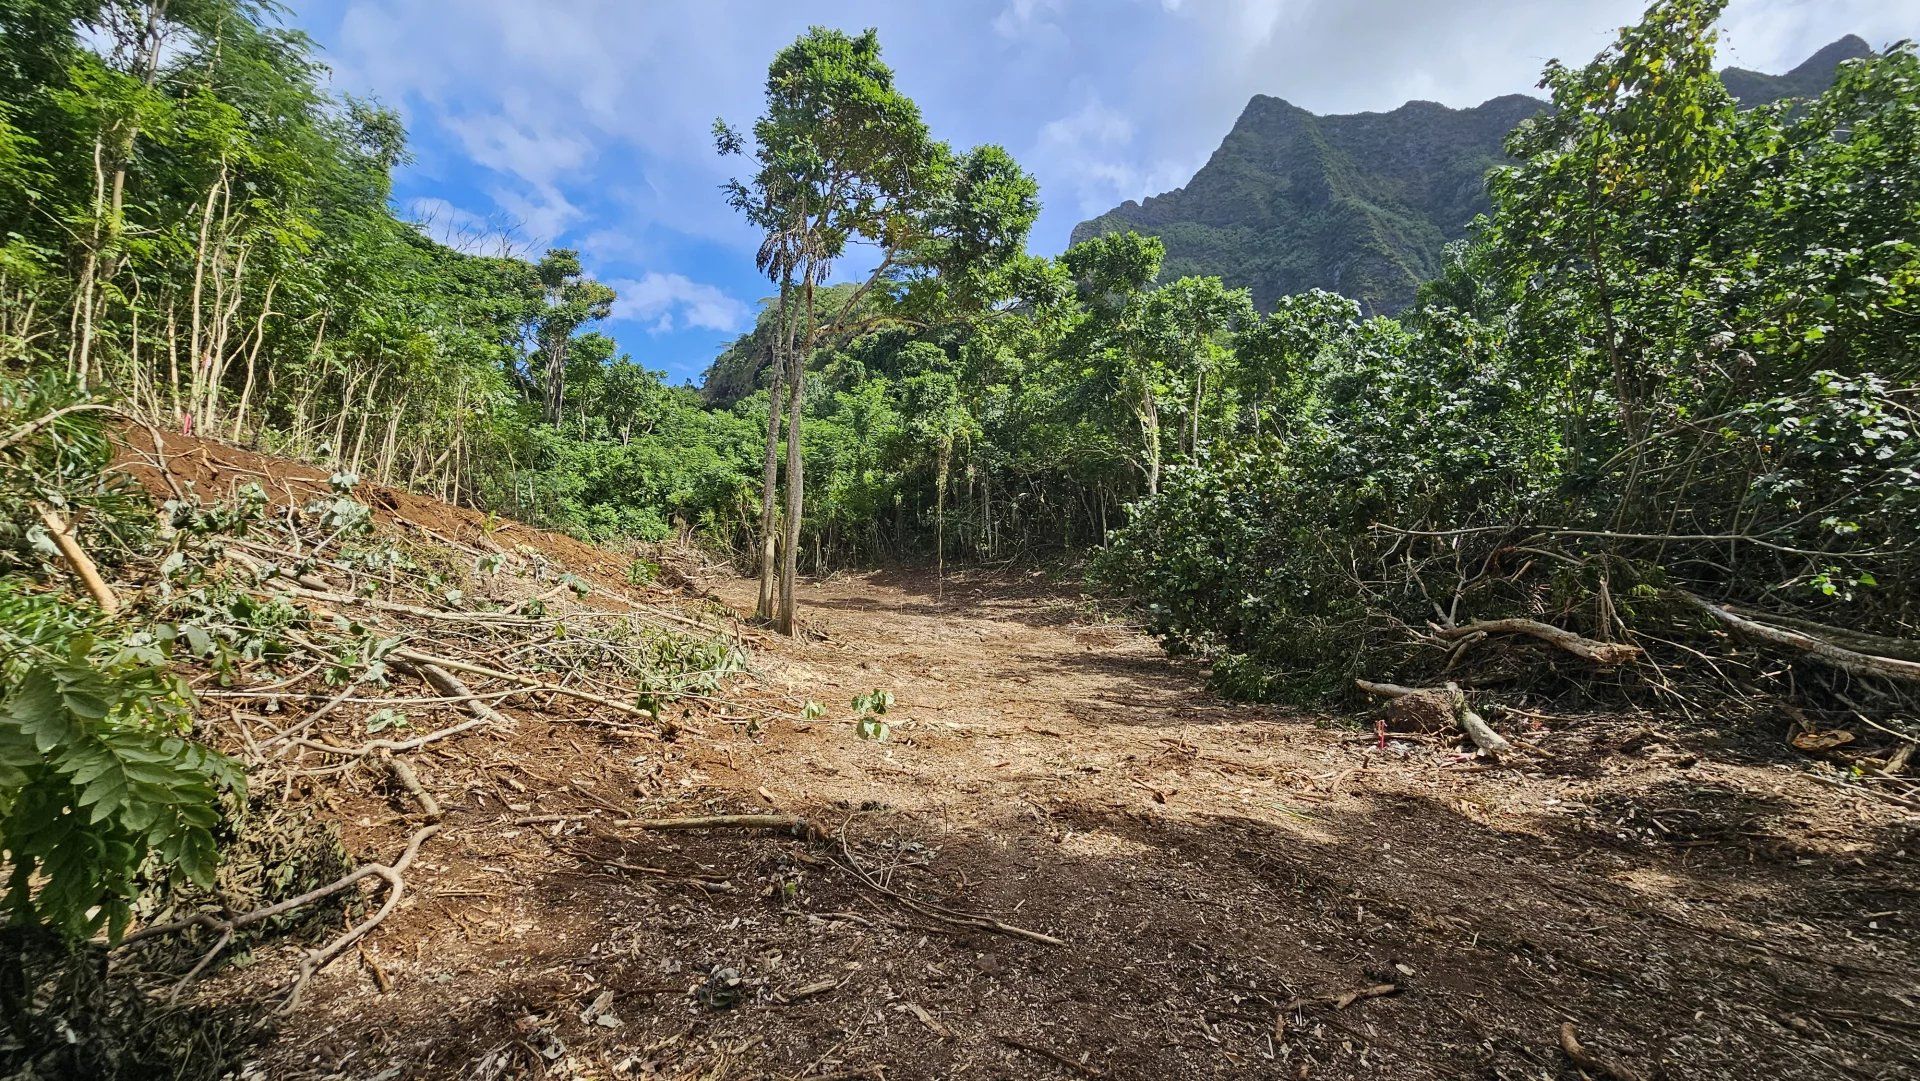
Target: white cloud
1093	124
600	108
533	151
1092	151
542	215
1022	20
676	302
462	229
614	245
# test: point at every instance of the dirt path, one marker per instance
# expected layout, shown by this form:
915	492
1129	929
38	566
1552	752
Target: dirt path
1695	912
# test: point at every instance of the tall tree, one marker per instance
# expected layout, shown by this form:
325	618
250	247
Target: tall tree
842	157
1188	325
1276	355
572	300
1114	274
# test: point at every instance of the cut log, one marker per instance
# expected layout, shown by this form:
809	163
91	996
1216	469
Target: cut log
80	562
1587	649
1859	641
1474	725
1819	649
1388	690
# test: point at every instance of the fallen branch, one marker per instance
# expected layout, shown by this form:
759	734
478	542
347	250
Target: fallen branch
307	591
1897	761
526	681
801	994
29	429
1858	641
383	746
450	686
1819	649
1588	1061
1603	653
404	776
710	883
940	913
1868	793
800	827
481	670
79	561
1343	1000
317	959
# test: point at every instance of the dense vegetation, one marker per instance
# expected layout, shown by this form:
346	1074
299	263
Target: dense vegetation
1666	389
196	228
1670	386
1361	205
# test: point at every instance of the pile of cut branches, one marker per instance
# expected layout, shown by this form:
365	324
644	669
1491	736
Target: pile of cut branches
234	656
330	646
1599	616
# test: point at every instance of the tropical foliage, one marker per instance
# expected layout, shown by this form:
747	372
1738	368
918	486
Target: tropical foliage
1677	362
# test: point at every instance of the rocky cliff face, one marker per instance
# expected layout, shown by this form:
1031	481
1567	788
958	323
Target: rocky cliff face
1361	204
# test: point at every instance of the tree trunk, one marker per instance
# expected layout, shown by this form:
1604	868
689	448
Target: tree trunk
796	395
770	471
940	520
1193	418
556	378
1150	424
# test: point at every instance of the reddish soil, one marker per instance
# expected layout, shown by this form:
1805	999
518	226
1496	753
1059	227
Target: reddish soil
211	470
1694	909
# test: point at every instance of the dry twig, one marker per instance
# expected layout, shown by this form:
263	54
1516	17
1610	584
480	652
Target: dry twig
1075	1065
1590	1062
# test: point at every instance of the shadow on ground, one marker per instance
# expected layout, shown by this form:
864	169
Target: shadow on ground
1184	937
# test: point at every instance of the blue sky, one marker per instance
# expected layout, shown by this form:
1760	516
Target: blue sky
585	123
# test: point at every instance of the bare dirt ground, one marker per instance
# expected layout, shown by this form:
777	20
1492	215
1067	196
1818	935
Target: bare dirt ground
1233	891
1220	877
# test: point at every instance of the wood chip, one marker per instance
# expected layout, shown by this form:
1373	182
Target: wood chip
926	1019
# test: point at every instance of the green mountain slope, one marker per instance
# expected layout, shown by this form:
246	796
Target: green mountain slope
1805	81
1360	204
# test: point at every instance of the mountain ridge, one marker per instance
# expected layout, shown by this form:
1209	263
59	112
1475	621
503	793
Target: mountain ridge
1364	203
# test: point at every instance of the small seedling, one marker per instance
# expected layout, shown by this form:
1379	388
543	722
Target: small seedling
868	710
381	720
